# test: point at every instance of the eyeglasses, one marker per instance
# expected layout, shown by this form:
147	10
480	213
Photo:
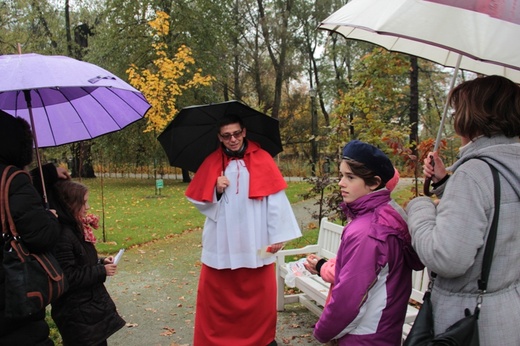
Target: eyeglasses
227	136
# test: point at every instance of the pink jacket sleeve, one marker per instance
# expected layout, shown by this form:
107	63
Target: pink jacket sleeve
327	270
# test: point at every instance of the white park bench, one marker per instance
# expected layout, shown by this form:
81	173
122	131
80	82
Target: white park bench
420	281
313	291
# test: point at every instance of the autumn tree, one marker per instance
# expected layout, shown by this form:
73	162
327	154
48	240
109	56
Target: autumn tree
164	81
376	106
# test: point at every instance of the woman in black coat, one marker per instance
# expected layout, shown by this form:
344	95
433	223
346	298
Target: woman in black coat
38	228
85	314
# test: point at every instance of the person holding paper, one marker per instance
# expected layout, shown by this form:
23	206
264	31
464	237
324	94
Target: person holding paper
85	314
240	190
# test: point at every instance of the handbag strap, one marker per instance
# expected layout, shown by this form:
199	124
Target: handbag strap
3	200
491	240
492	236
8	225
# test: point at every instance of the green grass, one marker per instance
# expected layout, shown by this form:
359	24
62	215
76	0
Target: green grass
135	214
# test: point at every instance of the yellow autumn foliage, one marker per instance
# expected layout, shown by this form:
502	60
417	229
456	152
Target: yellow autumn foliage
163	83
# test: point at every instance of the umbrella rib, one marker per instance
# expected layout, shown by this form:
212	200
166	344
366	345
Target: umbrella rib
72	105
46	116
17	92
122	99
88	94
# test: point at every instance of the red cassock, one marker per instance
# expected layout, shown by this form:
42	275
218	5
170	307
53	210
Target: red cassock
236	307
241	314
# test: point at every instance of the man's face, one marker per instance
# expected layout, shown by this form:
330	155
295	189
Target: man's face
232	136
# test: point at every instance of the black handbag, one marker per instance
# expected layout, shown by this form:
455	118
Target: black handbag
32	281
464	332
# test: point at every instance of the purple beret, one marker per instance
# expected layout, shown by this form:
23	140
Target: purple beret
373	158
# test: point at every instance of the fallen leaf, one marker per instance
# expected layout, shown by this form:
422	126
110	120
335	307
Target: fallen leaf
169	331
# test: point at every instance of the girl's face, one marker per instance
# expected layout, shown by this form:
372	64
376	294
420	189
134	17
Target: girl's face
85	207
352	187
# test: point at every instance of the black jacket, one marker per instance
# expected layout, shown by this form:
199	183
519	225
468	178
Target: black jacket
39	230
85	314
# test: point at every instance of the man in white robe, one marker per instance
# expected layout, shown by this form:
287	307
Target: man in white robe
240	190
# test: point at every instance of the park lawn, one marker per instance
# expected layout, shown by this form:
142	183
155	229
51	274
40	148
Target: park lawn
135	213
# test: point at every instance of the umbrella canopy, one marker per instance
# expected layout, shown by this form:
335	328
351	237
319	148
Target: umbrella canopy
71	100
483	34
479	36
192	134
66	100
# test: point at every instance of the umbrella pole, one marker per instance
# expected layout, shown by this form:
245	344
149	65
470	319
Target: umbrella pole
29	107
427	181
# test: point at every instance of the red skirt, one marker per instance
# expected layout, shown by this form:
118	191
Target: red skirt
236	307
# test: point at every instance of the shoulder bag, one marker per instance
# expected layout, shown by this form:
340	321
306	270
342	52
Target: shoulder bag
464	332
32	281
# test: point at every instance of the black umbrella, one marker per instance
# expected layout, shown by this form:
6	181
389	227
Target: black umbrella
192	134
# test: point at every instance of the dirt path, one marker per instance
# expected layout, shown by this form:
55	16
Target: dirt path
156	286
155	292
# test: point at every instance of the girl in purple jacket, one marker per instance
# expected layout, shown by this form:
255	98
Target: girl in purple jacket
373	273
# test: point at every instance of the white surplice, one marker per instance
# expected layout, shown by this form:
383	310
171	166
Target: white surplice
237	228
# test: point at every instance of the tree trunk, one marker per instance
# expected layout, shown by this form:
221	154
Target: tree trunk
82	160
414	103
82	156
186	176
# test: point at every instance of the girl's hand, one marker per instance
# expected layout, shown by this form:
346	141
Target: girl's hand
109	260
311	262
111	269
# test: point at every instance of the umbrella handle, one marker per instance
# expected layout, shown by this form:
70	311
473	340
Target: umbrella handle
426	187
428	180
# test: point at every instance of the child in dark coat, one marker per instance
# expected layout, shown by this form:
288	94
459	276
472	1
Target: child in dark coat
86	314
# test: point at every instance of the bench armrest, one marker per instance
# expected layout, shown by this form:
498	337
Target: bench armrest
300	251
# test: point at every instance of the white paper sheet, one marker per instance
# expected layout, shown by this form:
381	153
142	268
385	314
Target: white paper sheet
118	256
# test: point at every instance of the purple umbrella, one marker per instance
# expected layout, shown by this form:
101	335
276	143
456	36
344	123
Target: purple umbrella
66	100
71	100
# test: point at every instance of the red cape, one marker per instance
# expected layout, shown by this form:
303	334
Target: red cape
265	177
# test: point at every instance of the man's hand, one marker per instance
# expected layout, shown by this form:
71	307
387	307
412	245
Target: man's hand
274	248
222	183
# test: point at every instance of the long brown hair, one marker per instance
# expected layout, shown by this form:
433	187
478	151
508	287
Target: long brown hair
72	195
486	106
